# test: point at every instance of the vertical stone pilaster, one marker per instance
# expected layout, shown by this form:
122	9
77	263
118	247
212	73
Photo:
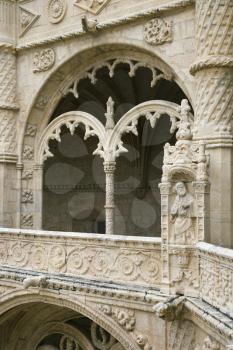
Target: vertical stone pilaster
213	71
109	168
8	112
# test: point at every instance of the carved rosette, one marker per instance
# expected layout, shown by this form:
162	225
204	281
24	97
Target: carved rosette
56	10
158	31
43	60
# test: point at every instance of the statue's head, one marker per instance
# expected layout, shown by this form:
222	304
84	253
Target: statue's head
180	188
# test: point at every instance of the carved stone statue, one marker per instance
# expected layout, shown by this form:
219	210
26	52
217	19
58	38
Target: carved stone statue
182	213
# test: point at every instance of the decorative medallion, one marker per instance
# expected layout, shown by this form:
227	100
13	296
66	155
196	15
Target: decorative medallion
56	10
157	32
93	6
43	60
26	20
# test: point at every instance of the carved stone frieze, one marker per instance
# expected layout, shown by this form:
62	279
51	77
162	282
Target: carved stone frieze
93	6
56	10
43	60
26	20
158	31
86	260
216	280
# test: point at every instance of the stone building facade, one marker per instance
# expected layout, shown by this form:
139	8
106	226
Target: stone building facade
116	174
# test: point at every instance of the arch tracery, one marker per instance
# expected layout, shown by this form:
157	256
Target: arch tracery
110	144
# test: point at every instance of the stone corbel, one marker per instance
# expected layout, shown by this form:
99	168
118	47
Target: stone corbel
170	310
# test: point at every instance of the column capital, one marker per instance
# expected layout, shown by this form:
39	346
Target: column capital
109	167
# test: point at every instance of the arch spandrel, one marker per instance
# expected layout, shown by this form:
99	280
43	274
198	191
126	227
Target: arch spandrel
21	297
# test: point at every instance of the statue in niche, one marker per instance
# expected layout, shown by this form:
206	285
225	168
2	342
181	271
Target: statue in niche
182	213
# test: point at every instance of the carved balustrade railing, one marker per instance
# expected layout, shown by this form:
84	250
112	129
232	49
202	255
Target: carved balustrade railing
115	259
216	276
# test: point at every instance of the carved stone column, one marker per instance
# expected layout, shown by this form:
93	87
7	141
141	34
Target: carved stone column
8	110
38	196
109	168
214	108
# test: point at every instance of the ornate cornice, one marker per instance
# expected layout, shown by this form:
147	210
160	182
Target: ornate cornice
170	6
212	62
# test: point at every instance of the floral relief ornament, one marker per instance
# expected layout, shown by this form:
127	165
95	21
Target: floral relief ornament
43	60
56	10
158	31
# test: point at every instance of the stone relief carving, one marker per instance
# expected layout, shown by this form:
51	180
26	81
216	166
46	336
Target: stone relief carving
43	60
181	335
93	6
216	281
27	220
158	31
209	344
56	10
26	20
209	28
217	83
89	25
182	214
27	175
28	152
7	132
41	102
31	130
170	310
99	262
125	317
67	343
8	79
101	339
27	196
143	342
37	281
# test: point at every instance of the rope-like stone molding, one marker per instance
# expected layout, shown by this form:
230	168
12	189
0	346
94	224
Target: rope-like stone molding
211	62
109	24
